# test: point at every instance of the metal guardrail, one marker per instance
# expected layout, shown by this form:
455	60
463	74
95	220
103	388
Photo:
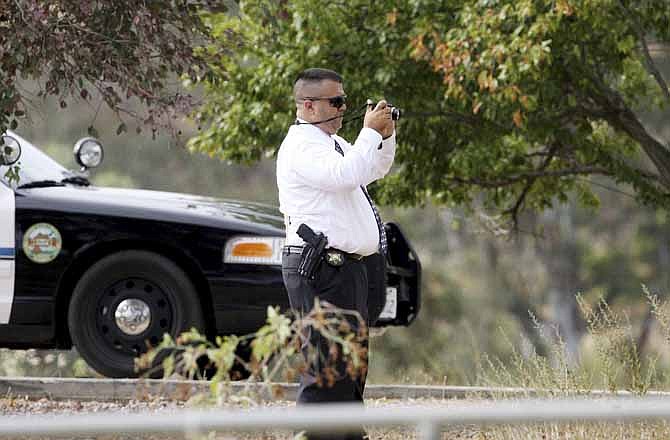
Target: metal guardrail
336	418
145	389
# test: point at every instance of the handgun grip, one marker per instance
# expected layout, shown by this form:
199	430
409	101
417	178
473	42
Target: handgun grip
307	234
315	244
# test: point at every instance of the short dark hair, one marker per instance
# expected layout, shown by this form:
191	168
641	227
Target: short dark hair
316	74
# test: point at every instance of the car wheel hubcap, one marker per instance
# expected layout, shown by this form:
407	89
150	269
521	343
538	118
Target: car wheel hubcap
132	316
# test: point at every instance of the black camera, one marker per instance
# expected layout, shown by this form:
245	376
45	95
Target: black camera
395	111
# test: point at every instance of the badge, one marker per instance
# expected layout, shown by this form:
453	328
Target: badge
334	258
42	243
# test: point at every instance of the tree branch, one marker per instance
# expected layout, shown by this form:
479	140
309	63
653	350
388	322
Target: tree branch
586	170
23	17
613	109
514	211
467	119
649	62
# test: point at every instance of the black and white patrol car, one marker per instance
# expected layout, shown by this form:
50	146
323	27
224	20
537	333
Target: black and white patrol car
111	270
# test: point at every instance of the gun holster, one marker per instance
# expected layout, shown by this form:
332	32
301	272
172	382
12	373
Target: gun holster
312	253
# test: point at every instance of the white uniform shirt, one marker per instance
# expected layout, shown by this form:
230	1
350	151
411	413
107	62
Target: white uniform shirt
321	188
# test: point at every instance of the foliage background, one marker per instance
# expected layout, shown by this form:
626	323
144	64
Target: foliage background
479	287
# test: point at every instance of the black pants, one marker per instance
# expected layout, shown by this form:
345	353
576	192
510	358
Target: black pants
345	287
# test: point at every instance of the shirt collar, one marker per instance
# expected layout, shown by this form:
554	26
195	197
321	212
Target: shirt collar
308	126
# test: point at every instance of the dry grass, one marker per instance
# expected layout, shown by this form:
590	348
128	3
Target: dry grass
641	430
611	362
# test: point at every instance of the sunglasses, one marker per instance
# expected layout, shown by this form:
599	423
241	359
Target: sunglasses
335	101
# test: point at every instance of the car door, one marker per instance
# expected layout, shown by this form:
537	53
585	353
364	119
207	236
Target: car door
7	253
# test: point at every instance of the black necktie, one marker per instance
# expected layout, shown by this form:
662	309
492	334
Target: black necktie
378	219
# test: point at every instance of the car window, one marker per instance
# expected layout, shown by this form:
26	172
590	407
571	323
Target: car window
34	164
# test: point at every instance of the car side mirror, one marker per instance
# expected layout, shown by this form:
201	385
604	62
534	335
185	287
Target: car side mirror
10	150
88	153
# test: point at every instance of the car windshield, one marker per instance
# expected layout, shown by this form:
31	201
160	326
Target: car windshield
35	165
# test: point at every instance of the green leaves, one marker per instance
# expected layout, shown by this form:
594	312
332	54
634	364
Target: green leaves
275	350
122	49
122	128
272	336
13	174
504	101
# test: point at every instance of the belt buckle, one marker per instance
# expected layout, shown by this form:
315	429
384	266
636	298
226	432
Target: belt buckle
334	258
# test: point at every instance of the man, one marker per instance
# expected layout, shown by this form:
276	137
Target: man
321	180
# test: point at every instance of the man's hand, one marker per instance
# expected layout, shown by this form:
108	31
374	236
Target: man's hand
379	119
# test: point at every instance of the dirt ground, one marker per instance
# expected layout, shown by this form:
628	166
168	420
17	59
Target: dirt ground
11	407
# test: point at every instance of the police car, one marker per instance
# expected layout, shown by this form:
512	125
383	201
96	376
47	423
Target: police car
111	270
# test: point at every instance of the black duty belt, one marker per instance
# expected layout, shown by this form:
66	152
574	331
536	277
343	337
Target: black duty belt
288	250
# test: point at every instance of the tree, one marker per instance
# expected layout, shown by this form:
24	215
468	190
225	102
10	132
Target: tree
509	104
115	50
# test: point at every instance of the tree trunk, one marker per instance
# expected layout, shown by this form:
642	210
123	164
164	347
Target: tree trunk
656	151
518	303
662	286
560	255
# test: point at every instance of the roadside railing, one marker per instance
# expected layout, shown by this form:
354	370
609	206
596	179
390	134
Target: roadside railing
59	388
428	420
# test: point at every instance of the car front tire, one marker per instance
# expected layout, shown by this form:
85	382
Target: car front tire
124	303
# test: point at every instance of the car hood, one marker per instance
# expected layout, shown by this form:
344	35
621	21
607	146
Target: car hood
156	205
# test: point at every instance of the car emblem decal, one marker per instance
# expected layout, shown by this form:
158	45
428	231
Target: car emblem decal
42	243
